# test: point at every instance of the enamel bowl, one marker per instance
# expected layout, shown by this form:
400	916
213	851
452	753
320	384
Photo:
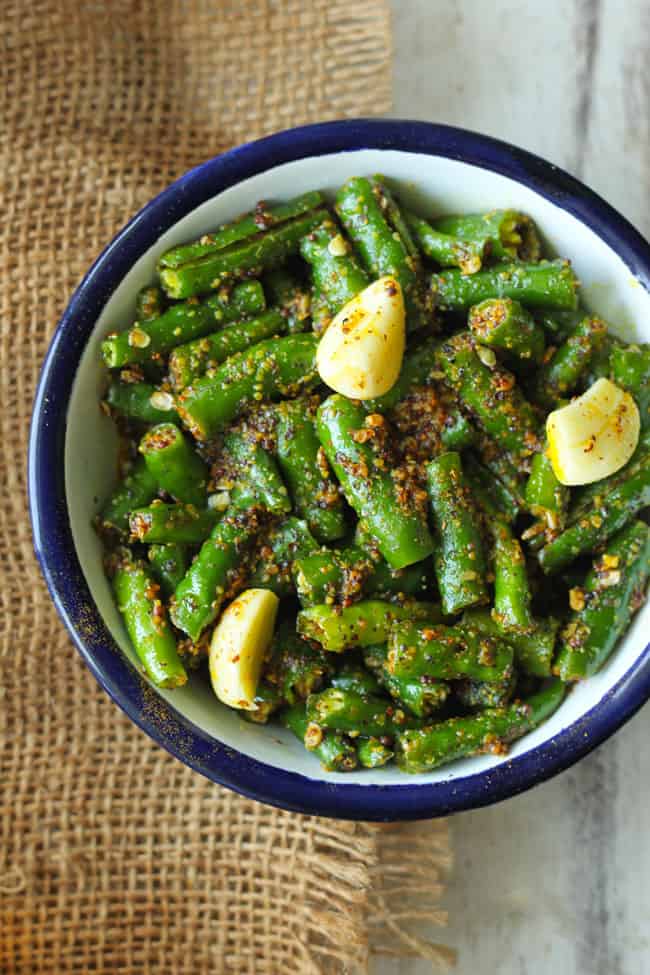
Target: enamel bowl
73	448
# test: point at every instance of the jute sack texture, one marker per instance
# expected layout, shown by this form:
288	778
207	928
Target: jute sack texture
115	857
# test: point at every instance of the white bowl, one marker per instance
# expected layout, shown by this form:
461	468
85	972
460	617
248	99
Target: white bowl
439	170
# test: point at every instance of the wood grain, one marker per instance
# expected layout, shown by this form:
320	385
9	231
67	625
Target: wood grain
555	881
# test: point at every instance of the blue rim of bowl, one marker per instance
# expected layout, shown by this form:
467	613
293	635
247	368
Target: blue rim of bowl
53	541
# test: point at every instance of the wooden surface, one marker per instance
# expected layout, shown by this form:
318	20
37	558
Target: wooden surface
554	882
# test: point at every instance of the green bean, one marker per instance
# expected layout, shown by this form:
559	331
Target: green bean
382	250
549	284
286	542
149	303
584	499
271	369
533	651
332	750
504	324
375	494
488	492
418	365
508	480
321	316
395	216
193	359
360	625
176	467
505	234
476	695
373	753
155	337
254	256
606	517
546	497
141	401
602	608
315	494
344	575
427	649
348	711
419	695
297	667
251	475
336	274
421	750
267	701
630	368
560	324
459	559
561	374
217	572
448	250
168	563
137	488
264	217
512	595
287	293
353	676
146	622
171	523
492	395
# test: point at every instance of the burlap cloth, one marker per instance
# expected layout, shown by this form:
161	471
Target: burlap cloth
114	856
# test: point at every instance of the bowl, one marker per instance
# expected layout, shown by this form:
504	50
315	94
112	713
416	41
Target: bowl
73	449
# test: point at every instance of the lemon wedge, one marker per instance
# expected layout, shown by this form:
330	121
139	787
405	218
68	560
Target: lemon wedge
360	354
238	646
594	435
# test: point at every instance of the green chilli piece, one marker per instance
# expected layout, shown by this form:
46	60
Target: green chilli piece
373	753
336	273
424	649
361	625
459	559
504	324
445	249
193	359
512	595
314	491
400	529
151	339
262	218
177	467
612	592
243	259
149	303
348	711
549	284
286	542
533	651
504	234
217	573
137	488
146	622
332	750
546	497
168	564
272	369
493	396
609	513
164	523
630	369
421	750
251	476
562	373
290	296
381	248
141	401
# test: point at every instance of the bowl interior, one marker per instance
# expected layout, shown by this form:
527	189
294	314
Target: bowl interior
436	185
